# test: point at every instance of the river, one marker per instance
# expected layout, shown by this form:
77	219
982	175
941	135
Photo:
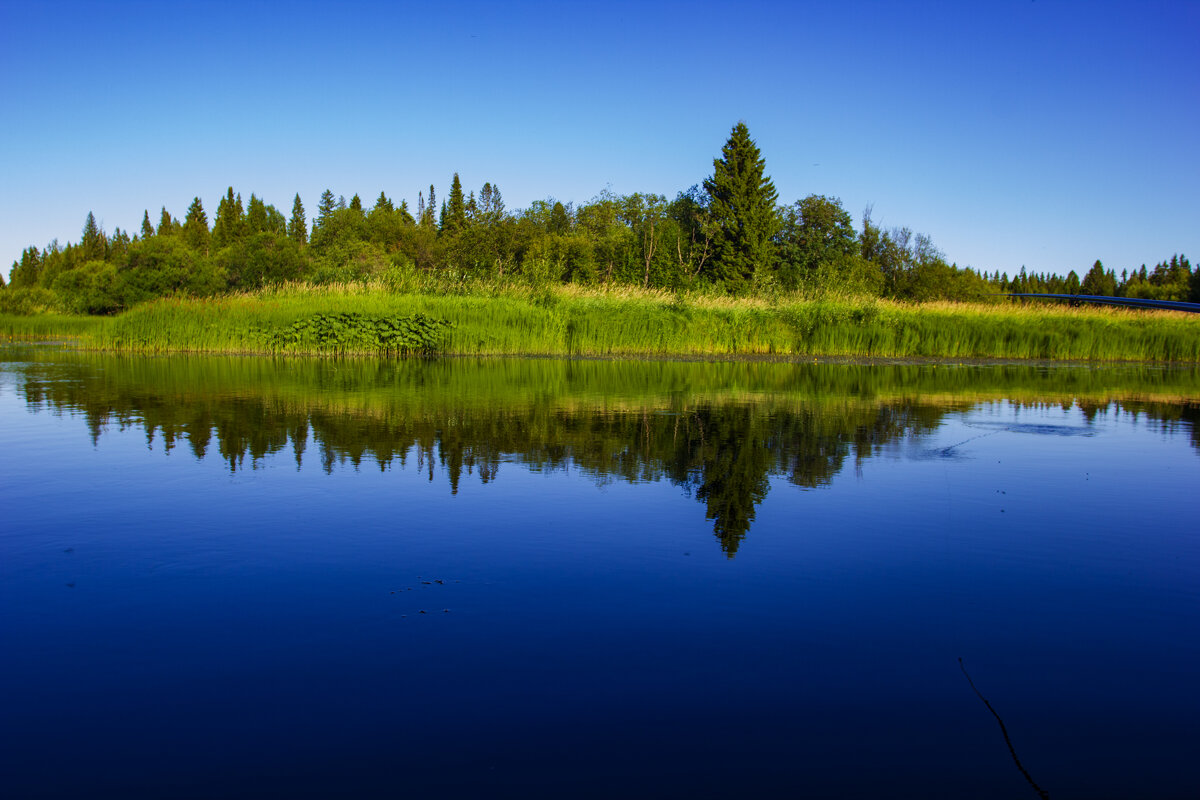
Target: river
255	577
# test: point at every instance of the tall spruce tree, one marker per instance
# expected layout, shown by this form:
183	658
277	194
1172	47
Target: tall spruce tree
147	228
195	227
456	210
166	225
27	272
229	226
118	246
429	213
325	208
742	218
406	216
92	242
1099	282
298	226
258	218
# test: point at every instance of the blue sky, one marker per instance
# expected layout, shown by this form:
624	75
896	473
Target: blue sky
1046	133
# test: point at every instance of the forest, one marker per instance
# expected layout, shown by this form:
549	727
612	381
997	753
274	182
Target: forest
728	235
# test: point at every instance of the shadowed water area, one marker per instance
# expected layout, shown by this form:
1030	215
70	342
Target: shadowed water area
253	577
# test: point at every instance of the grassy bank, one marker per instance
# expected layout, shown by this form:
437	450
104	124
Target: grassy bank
570	321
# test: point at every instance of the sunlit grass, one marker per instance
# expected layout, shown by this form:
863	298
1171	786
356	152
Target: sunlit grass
489	319
47	326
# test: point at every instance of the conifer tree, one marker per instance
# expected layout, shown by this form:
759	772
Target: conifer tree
430	210
1099	282
195	227
456	212
325	208
147	228
405	215
166	225
118	246
491	204
298	226
356	204
92	243
742	213
383	203
257	218
229	225
28	270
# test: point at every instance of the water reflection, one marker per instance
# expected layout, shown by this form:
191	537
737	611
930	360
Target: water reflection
720	432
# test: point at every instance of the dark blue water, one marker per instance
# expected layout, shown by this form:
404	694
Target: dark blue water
246	578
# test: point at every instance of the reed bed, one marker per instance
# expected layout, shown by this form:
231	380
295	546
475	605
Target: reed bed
39	327
630	322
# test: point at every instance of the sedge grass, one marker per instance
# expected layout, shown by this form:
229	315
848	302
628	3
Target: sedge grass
630	322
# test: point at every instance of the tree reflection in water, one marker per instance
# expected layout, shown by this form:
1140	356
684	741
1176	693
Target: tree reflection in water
719	431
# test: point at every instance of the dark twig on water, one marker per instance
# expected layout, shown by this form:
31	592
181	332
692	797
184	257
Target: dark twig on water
1012	751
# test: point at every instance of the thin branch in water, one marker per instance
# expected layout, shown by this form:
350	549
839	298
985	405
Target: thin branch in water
1042	793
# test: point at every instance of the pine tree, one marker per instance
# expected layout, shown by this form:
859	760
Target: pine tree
356	204
742	213
147	228
383	204
298	226
195	227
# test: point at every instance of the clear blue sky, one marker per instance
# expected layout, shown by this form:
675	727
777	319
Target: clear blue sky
1044	133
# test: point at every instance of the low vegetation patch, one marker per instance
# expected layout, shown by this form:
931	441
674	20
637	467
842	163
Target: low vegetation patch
356	333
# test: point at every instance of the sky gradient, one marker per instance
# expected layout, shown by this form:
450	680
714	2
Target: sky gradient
1046	134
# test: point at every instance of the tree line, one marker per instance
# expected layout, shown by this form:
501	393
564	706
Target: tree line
728	234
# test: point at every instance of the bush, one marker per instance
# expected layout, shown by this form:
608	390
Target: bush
24	301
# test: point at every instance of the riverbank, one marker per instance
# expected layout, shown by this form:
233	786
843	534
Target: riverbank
573	321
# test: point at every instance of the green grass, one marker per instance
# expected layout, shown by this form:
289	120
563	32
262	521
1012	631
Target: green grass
573	321
40	327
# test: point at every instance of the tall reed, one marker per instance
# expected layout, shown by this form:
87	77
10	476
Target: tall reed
625	322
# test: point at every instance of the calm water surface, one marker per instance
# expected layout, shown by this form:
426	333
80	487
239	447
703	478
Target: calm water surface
248	577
